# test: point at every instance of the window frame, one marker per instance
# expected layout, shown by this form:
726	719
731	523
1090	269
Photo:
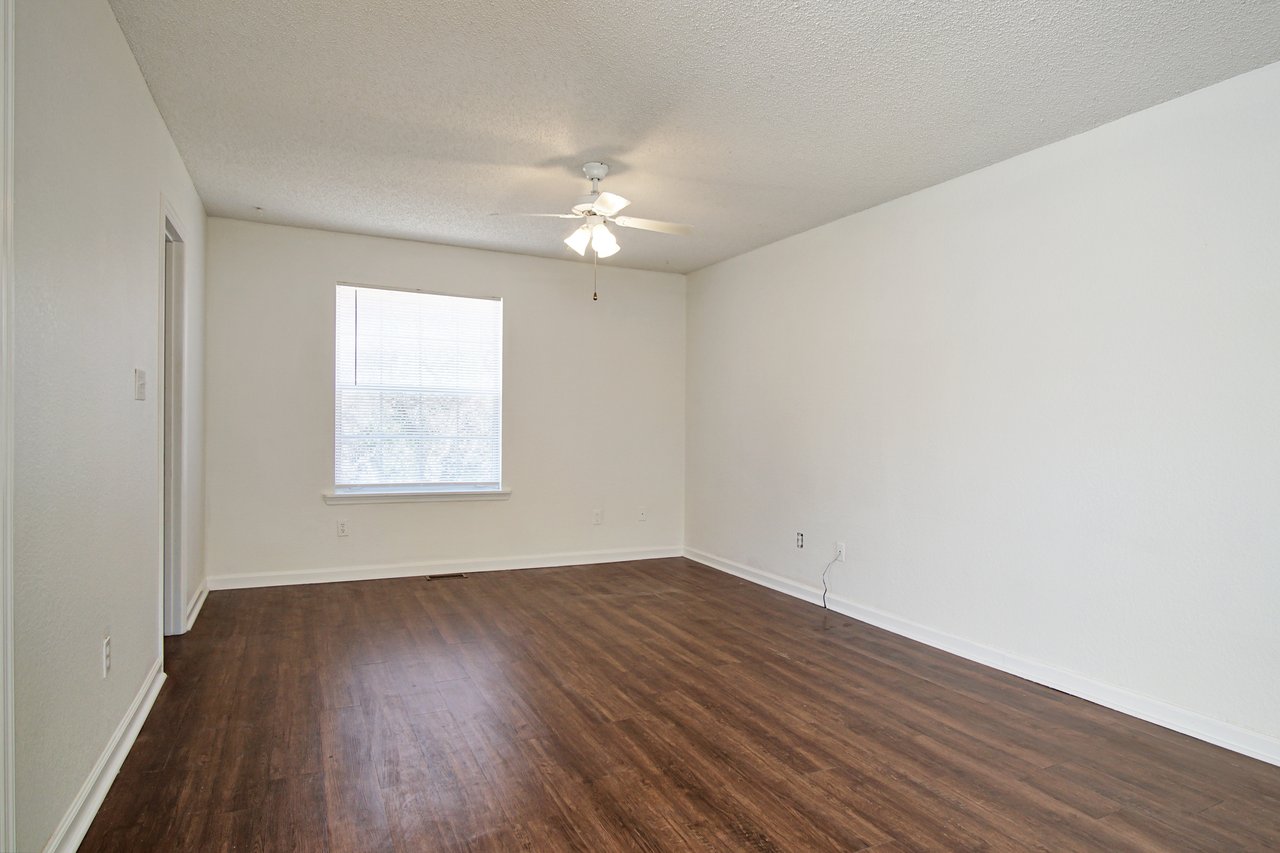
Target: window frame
415	492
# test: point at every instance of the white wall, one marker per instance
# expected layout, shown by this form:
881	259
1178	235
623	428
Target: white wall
593	409
1040	402
92	161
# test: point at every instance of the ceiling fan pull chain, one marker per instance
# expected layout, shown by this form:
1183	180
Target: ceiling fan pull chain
595	268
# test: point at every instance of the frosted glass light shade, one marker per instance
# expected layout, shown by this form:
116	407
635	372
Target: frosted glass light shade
578	239
603	241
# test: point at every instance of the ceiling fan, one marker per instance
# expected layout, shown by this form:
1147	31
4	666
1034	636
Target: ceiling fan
598	210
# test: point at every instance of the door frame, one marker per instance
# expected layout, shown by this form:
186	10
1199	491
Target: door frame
8	836
169	399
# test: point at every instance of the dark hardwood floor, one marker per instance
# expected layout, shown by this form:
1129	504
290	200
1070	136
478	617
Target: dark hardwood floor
654	705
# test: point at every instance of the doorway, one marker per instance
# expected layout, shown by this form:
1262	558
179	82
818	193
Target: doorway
171	350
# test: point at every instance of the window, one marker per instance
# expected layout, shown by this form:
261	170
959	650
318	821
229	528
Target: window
417	393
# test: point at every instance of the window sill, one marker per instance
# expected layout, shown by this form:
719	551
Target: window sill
331	496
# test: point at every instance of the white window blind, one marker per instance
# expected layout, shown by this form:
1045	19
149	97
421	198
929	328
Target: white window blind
418	391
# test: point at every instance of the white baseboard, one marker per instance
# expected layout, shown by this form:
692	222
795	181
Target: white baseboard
406	570
757	576
197	602
75	823
1232	737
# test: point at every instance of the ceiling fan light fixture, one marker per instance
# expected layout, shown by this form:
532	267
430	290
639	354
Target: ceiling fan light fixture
596	210
603	241
578	239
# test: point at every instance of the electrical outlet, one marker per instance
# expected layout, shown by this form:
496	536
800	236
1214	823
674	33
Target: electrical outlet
839	552
106	656
342	529
799	540
597	516
644	514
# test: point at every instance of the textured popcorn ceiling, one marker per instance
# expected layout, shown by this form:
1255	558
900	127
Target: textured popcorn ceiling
750	120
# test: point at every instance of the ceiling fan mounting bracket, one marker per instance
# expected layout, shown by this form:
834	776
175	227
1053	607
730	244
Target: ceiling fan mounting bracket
595	173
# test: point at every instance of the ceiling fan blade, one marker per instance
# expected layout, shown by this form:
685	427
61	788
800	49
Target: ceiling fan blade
654	225
608	204
551	215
